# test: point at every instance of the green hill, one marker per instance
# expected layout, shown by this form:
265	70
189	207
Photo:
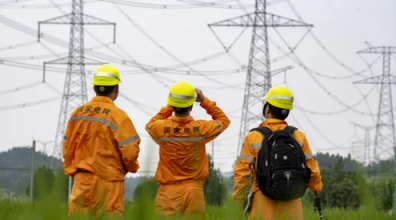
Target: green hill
15	166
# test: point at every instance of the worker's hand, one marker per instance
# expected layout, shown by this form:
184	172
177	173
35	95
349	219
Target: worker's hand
200	95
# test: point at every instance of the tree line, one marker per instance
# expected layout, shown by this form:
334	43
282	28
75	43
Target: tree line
348	184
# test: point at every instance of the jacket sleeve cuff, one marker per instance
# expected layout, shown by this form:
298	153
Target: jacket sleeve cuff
206	103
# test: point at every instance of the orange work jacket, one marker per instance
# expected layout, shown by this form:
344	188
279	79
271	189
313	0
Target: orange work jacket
102	139
182	142
248	157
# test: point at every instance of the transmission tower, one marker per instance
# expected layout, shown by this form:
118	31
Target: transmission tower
366	141
385	129
75	87
258	79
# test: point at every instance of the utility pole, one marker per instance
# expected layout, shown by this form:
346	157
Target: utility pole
258	79
366	141
32	170
385	128
75	87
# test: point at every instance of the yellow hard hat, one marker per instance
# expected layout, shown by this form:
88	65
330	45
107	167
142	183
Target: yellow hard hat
280	96
106	75
182	95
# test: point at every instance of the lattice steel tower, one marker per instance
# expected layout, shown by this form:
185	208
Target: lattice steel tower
366	142
75	87
258	79
385	128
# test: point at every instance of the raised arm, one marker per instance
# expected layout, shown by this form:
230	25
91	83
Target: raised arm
220	122
164	113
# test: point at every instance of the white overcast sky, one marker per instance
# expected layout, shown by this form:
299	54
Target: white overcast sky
342	26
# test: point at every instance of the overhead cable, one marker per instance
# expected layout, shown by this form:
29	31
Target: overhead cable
175	6
27	30
20	45
321	44
297	60
44	101
20	88
338	111
147	35
41	6
164	49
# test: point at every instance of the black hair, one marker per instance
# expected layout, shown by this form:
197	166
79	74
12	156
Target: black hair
104	90
278	113
181	110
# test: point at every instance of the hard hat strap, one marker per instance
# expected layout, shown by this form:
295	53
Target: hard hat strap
180	96
107	74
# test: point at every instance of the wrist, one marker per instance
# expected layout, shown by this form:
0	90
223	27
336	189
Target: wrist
205	102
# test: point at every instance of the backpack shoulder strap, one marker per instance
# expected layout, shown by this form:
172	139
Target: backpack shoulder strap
264	152
290	130
263	130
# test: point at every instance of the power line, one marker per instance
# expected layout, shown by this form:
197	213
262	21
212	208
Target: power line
44	56
175	6
20	45
42	6
321	44
297	60
338	111
20	88
164	49
62	43
44	101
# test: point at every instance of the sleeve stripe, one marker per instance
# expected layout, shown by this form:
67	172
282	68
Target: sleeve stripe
308	155
219	126
243	156
126	141
256	145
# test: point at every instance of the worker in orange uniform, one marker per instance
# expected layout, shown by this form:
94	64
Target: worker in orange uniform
183	164
275	154
100	146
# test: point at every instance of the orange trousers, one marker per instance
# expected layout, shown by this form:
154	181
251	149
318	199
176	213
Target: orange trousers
263	208
185	197
92	194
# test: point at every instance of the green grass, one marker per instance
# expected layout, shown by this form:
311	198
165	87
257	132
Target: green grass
48	209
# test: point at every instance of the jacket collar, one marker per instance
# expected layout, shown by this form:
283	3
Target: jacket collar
272	121
102	99
181	120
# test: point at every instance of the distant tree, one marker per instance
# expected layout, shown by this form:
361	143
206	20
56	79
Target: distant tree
147	189
61	187
43	183
215	189
341	187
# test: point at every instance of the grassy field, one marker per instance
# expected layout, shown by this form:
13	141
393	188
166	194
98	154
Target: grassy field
50	210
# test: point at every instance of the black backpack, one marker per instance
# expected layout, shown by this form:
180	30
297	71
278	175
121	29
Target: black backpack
281	170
